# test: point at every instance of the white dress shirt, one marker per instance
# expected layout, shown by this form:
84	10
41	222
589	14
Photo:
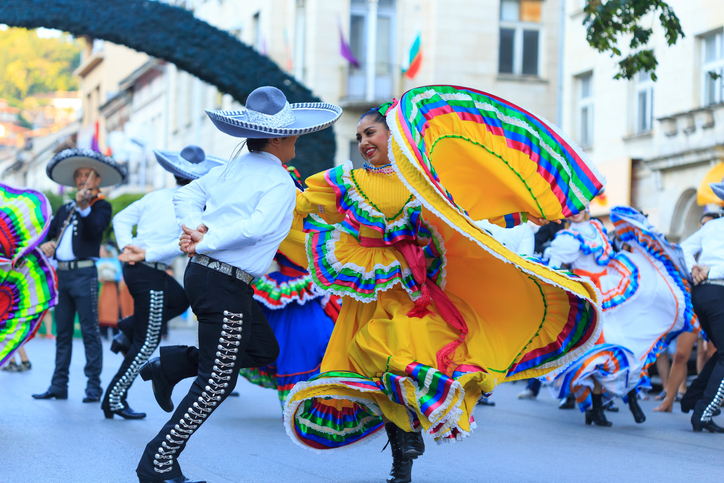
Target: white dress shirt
249	210
708	243
156	228
64	252
519	239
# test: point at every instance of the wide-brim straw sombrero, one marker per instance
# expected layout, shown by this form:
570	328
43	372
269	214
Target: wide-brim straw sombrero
268	115
63	166
189	163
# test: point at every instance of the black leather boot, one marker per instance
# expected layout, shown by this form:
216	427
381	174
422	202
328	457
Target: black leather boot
595	415
120	343
700	420
414	445
401	471
162	388
633	405
568	403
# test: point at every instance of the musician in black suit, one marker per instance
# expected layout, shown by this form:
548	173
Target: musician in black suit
74	238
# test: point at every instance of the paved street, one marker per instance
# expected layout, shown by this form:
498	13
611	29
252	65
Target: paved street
244	441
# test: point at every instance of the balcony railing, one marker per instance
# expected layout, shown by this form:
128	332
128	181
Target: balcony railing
354	84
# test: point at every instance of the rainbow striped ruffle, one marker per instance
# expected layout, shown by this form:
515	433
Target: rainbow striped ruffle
615	367
547	174
24	221
580	328
276	291
26	292
345	276
324	423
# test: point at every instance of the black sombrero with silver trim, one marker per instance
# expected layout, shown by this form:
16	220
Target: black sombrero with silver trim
190	163
62	167
267	114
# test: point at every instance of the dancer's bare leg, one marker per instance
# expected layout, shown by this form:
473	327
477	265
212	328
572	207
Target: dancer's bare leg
677	375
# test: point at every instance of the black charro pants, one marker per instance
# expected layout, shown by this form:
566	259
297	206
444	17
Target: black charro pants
157	298
78	292
233	334
707	391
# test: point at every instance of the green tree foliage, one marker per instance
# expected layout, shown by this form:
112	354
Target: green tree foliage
175	35
119	204
32	65
612	20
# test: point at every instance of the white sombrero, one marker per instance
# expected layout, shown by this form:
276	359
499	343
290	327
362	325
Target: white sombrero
62	167
718	189
269	115
190	163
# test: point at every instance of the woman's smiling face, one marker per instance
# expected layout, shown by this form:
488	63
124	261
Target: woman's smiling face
372	138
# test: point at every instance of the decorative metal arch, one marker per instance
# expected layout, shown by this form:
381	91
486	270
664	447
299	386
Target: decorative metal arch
175	35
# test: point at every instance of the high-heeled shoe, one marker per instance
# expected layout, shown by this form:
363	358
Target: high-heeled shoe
633	405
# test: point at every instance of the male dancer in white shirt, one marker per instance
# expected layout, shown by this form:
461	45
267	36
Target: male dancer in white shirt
248	212
157	297
706	393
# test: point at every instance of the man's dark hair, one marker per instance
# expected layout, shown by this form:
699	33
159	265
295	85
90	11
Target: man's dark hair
182	181
256	145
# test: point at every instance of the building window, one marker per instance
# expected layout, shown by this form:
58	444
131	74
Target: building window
385	40
256	32
644	102
585	109
520	37
712	68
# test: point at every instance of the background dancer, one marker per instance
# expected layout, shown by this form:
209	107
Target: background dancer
78	227
157	296
646	304
249	205
706	393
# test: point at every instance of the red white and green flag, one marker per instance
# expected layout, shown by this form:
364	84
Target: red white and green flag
415	60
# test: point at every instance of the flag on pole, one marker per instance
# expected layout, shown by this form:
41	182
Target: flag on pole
344	48
288	51
415	60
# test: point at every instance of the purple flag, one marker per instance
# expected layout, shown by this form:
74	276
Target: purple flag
345	50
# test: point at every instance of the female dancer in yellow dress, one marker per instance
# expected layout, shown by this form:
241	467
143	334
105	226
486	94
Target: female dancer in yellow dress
435	312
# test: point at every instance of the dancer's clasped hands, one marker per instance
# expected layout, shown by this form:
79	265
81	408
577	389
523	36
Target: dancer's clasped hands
189	239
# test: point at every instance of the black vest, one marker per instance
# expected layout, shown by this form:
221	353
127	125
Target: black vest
87	231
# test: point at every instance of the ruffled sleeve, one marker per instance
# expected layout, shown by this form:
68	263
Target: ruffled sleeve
510	221
564	249
319	198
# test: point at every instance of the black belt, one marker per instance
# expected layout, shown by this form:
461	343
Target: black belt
224	268
712	281
157	265
75	264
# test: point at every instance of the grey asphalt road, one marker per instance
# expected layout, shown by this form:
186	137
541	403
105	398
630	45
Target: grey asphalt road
245	441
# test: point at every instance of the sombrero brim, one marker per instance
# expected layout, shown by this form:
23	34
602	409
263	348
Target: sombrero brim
718	189
309	117
172	162
63	166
